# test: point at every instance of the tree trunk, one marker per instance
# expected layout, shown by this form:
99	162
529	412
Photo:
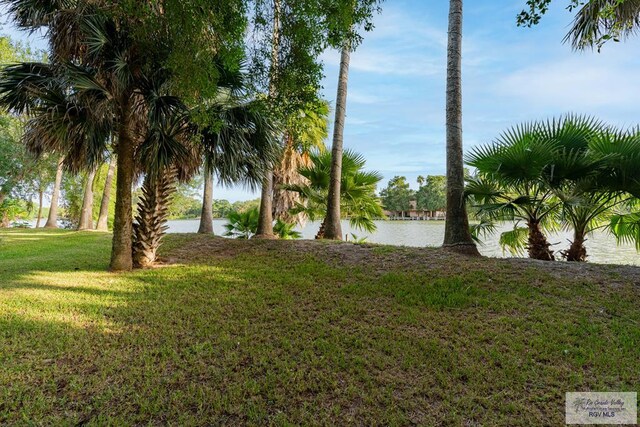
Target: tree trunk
151	219
52	219
121	253
206	217
4	221
333	228
40	197
577	252
103	217
321	232
538	244
86	214
265	218
457	235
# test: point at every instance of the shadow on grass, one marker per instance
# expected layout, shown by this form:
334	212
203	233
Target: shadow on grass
277	338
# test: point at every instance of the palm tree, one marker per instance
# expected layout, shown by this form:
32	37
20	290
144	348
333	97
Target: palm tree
52	219
98	86
150	226
242	225
265	217
306	131
457	235
239	149
509	187
621	151
547	174
359	202
103	216
206	216
600	20
86	214
286	231
333	228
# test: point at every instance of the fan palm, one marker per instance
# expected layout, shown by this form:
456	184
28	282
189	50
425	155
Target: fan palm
359	201
508	186
548	175
242	225
600	20
237	149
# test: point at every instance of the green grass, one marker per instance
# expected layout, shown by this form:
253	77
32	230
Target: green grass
300	333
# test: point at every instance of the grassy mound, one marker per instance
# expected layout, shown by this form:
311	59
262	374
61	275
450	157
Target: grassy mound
288	333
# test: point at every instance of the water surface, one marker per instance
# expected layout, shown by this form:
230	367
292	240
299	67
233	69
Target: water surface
601	246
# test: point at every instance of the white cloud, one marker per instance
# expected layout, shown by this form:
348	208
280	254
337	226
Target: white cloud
575	84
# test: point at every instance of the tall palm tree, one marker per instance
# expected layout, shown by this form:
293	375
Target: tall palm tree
206	216
265	217
457	235
103	216
86	213
333	229
359	202
240	149
52	218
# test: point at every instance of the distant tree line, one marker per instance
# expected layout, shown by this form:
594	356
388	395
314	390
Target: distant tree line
431	195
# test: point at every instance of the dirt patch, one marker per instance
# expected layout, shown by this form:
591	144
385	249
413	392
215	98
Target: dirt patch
379	259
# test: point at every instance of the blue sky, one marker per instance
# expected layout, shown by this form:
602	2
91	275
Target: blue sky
396	102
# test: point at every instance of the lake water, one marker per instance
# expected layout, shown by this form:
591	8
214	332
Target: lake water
601	246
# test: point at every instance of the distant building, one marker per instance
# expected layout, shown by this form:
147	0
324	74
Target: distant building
415	214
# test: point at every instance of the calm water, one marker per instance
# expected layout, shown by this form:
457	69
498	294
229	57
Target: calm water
601	247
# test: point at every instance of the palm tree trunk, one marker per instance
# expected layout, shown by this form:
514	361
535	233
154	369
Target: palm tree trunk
52	219
265	218
40	197
151	218
333	228
103	216
321	231
121	252
4	221
577	251
457	235
206	217
538	244
86	214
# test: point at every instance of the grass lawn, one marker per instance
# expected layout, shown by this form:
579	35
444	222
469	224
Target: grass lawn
304	333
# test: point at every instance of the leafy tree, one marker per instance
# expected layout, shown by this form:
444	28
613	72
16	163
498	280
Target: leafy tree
15	163
243	206
222	207
432	194
289	36
359	202
397	195
456	234
185	202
